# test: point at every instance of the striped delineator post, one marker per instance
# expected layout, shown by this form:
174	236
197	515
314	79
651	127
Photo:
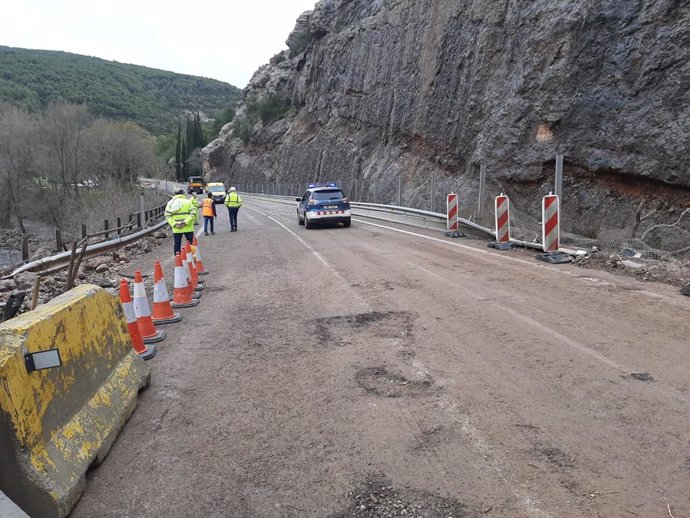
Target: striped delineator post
182	297
452	211
502	205
550	223
132	326
148	330
162	311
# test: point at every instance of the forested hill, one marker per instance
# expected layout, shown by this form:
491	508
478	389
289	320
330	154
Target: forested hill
150	97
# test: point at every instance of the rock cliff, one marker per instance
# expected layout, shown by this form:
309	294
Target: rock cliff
382	89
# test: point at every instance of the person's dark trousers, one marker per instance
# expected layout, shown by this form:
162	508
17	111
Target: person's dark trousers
178	239
232	212
208	221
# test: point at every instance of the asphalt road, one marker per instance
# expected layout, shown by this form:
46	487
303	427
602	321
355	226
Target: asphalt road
385	371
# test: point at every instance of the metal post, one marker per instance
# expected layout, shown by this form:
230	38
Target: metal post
400	191
25	247
83	230
58	239
433	192
106	226
559	176
142	204
482	188
119	224
375	198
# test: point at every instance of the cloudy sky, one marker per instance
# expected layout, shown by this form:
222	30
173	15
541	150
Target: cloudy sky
220	39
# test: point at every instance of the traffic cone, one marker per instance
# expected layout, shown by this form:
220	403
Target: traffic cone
198	285
148	331
190	283
137	343
162	311
181	294
200	270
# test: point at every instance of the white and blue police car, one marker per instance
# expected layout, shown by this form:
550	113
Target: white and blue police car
323	204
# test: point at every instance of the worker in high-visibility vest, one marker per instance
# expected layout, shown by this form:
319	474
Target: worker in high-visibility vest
179	213
208	211
195	202
233	201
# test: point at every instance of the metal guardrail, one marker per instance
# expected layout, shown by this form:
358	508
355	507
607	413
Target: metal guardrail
415	218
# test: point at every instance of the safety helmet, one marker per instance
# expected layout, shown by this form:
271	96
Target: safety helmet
179	190
232	189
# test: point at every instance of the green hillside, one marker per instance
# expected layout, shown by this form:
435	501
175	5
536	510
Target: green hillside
152	98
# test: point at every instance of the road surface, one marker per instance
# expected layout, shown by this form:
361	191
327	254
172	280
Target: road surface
385	371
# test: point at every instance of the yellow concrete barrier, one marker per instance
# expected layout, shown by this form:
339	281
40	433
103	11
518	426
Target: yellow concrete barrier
55	423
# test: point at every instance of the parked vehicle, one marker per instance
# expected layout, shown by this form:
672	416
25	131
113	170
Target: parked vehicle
195	185
217	190
323	205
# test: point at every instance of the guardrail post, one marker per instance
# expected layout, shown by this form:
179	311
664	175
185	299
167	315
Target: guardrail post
400	191
58	239
106	226
433	192
83	230
375	199
138	219
142	205
482	187
559	177
119	226
129	221
25	247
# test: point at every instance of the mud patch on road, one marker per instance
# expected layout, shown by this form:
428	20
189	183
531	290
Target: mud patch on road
341	330
379	381
436	436
553	455
642	376
376	498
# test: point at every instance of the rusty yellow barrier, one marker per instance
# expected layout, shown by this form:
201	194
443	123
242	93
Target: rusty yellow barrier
56	422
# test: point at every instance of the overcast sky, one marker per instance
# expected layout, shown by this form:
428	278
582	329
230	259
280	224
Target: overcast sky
226	40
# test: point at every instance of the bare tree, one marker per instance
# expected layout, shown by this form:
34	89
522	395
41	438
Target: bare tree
62	132
16	158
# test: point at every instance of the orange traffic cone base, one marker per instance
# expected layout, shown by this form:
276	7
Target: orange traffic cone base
149	353
159	336
190	304
170	320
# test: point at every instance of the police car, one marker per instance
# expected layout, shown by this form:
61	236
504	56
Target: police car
323	204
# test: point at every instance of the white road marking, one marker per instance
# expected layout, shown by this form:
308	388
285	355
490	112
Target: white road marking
316	254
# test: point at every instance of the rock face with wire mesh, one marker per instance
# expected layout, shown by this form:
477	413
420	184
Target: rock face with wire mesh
375	91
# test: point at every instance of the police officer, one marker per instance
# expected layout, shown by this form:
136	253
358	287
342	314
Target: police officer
180	214
233	201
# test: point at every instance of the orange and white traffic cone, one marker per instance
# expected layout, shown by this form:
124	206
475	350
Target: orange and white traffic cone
191	287
162	311
148	331
198	285
137	343
182	297
200	270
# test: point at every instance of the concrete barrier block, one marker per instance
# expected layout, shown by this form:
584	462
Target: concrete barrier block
55	423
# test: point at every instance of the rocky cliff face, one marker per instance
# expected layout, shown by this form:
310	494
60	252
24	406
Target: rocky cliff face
381	89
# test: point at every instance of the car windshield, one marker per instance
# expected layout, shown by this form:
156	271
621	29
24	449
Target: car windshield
331	195
217	188
195	179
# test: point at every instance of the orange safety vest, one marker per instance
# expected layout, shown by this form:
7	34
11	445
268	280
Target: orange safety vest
207	209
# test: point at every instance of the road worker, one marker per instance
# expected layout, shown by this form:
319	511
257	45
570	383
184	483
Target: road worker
195	202
179	213
233	201
208	211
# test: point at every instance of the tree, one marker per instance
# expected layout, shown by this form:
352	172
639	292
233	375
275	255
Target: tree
16	159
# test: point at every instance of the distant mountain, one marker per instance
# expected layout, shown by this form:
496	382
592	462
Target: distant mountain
150	97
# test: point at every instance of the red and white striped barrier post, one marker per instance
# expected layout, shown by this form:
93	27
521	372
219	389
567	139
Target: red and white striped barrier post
502	211
550	223
452	211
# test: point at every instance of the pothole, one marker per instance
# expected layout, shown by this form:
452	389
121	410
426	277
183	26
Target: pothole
554	455
379	381
377	498
344	329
